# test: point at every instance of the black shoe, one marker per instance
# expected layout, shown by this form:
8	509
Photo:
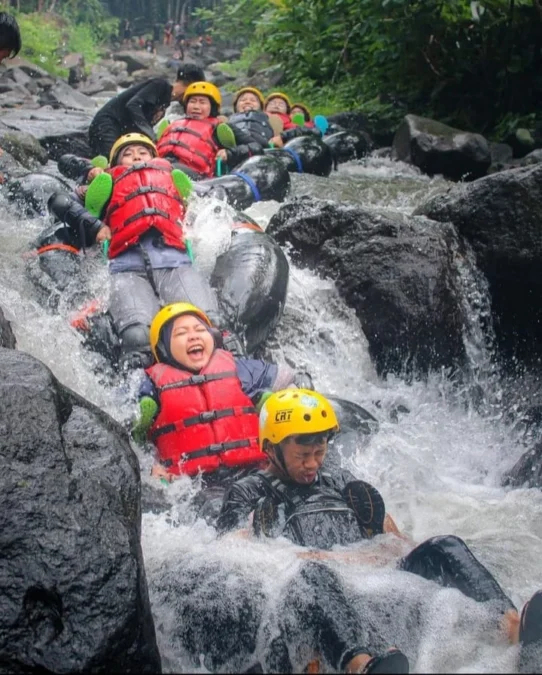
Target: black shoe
392	662
530	635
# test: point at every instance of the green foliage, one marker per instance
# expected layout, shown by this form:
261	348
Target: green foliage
468	63
48	37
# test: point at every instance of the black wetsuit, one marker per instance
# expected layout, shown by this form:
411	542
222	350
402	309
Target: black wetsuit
131	111
292	510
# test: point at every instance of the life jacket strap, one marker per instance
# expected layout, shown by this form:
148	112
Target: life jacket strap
203	418
198	379
218	449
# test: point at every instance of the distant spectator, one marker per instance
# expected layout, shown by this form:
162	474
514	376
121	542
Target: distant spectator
168	30
156	33
127	33
10	37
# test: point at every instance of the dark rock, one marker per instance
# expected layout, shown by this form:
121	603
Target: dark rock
400	276
351	121
439	149
135	60
261	62
500	152
74	587
61	95
9	86
150	73
23	147
380	131
32	191
7	338
267	79
10	167
534	157
218	79
95	85
110	67
527	472
500	216
58	131
29	68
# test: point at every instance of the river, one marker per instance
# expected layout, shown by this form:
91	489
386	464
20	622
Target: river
438	466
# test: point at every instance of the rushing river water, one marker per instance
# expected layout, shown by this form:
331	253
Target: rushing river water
438	466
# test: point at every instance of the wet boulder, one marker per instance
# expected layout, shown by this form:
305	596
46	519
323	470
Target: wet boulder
500	216
23	147
139	60
439	149
74	591
61	95
527	472
7	337
399	274
58	131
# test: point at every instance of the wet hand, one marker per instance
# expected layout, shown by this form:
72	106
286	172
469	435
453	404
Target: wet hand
223	155
93	173
158	471
276	142
104	234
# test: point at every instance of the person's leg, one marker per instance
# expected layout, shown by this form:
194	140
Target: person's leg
132	306
186	284
316	617
449	561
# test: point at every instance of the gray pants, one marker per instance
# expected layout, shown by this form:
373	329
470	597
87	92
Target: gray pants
133	302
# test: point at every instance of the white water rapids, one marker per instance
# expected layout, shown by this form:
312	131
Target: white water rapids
438	467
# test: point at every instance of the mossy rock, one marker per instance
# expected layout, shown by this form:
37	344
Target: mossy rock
24	147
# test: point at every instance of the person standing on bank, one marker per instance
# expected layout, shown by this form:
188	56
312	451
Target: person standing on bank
135	110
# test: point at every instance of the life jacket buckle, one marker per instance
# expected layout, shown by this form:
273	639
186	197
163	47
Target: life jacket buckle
198	379
208	416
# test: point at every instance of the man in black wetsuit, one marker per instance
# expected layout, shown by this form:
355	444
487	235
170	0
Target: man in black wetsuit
293	498
138	109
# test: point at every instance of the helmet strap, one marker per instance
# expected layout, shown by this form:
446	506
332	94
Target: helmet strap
279	462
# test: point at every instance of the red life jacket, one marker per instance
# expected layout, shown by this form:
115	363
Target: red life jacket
144	196
206	421
192	142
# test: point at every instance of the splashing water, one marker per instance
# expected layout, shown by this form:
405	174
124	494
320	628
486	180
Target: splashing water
437	466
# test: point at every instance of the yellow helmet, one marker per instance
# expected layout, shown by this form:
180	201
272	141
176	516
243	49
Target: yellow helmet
305	110
129	139
278	94
248	90
203	89
172	312
295	411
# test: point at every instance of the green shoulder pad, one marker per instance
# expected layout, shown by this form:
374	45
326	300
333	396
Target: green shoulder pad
98	194
164	124
299	119
225	135
182	182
